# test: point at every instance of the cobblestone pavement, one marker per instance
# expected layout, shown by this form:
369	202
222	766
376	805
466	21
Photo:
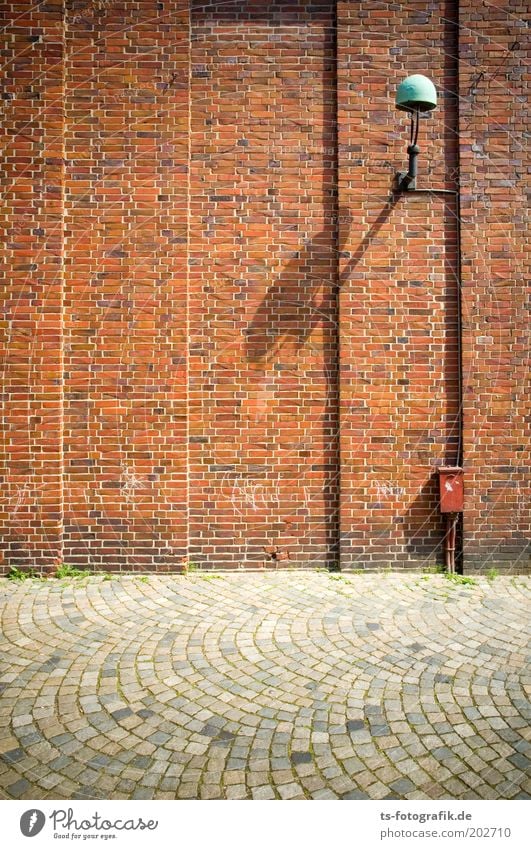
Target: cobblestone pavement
264	686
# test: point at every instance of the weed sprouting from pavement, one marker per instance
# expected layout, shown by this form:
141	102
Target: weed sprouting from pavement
463	580
20	575
66	571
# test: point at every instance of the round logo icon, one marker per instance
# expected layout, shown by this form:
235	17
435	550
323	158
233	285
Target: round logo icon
32	822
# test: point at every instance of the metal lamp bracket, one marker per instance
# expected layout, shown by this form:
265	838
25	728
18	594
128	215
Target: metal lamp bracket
407	181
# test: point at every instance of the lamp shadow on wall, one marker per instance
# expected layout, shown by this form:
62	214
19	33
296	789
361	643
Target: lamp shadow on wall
295	304
289	344
299	300
346	222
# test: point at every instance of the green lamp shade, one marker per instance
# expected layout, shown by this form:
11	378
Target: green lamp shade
416	92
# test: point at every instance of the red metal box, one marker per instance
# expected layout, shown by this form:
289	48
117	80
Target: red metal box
451	489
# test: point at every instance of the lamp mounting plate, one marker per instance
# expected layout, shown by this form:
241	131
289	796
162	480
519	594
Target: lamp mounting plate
403	184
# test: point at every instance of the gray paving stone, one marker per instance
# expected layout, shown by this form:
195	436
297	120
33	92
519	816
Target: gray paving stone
402	786
264	792
13	755
18	788
355	794
301	758
520	761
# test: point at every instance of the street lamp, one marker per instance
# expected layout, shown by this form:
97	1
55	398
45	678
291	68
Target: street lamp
415	94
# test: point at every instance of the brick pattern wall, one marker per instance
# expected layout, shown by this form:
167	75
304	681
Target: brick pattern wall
494	152
125	294
398	267
31	225
225	339
263	285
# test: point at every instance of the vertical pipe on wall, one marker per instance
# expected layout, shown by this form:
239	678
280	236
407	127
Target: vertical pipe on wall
337	340
459	459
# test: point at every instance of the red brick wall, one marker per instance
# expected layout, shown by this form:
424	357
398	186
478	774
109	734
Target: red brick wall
31	178
398	302
225	339
125	296
494	153
263	285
